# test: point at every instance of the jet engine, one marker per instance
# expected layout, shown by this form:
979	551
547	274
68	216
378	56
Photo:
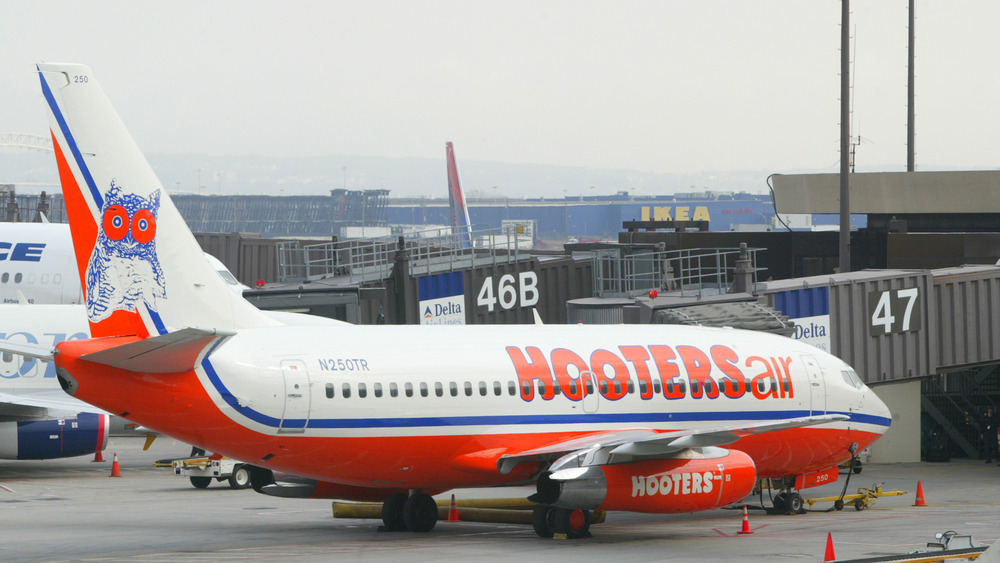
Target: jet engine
698	479
82	434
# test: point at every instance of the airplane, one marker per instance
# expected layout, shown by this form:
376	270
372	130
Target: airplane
38	264
459	211
644	418
37	419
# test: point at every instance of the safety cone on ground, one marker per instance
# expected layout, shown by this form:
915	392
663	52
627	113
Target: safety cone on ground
453	512
920	495
115	472
829	555
746	522
98	457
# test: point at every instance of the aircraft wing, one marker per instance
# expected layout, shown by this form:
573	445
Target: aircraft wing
651	444
42	404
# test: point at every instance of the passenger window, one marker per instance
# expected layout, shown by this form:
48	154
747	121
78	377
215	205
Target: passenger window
468	389
497	388
393	390
329	390
438	389
346	391
618	387
526	388
423	389
556	389
378	389
511	388
453	389
408	389
590	386
572	387
656	386
5	277
643	387
482	389
631	386
17	278
362	390
541	388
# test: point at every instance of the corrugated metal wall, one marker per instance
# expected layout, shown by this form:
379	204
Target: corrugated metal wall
968	327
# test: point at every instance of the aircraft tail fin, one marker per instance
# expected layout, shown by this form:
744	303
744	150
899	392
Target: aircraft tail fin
460	223
141	269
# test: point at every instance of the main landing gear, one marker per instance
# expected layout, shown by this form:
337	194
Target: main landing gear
417	513
570	523
788	501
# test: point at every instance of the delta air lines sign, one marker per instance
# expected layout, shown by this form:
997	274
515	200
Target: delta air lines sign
442	299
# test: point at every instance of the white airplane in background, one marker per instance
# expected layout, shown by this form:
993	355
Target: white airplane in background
629	417
37	262
37	419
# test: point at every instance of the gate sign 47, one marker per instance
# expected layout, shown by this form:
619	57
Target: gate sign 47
893	310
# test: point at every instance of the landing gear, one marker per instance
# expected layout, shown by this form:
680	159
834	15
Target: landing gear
550	520
416	513
788	502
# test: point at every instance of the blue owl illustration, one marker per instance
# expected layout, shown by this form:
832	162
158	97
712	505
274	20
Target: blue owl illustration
124	271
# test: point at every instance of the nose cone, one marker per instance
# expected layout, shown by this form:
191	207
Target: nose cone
874	407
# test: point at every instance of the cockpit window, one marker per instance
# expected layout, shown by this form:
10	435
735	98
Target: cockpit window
852	378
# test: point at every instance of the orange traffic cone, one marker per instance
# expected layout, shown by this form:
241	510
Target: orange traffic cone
920	495
115	472
98	457
453	512
746	522
829	556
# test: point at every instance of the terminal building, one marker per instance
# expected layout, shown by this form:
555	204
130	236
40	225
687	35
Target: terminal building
918	316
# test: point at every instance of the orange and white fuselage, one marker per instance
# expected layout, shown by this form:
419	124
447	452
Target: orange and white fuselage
625	417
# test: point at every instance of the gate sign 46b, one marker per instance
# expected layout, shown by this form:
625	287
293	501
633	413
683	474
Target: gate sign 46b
511	292
893	310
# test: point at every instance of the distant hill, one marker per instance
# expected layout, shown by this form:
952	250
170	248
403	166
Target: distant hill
404	177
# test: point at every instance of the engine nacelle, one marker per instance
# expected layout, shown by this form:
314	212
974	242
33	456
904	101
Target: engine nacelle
699	480
83	434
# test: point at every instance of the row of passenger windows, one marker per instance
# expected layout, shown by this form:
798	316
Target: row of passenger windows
44	278
423	388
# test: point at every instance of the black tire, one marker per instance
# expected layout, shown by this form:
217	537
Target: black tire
392	513
795	503
201	482
420	513
240	479
838	504
574	523
542	520
857	468
860	505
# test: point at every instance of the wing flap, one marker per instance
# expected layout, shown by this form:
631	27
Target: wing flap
173	352
651	444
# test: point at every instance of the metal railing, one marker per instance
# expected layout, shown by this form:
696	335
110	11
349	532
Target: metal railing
690	271
432	251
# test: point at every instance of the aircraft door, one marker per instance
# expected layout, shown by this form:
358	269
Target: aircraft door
591	398
817	385
297	396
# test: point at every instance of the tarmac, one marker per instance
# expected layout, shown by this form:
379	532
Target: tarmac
72	510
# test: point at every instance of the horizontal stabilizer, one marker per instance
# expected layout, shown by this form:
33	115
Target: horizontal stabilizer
44	353
173	352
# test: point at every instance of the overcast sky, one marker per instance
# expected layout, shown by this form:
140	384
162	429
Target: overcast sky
661	86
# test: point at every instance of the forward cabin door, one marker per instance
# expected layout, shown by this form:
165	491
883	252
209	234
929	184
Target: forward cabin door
817	385
297	396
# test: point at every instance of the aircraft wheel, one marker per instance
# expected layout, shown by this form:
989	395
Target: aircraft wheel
543	520
420	513
240	479
574	523
392	513
857	468
794	503
201	482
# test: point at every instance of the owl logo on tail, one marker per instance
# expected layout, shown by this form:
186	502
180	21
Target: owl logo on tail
124	271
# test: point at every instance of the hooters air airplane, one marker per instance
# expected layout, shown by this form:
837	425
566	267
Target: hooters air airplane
638	418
